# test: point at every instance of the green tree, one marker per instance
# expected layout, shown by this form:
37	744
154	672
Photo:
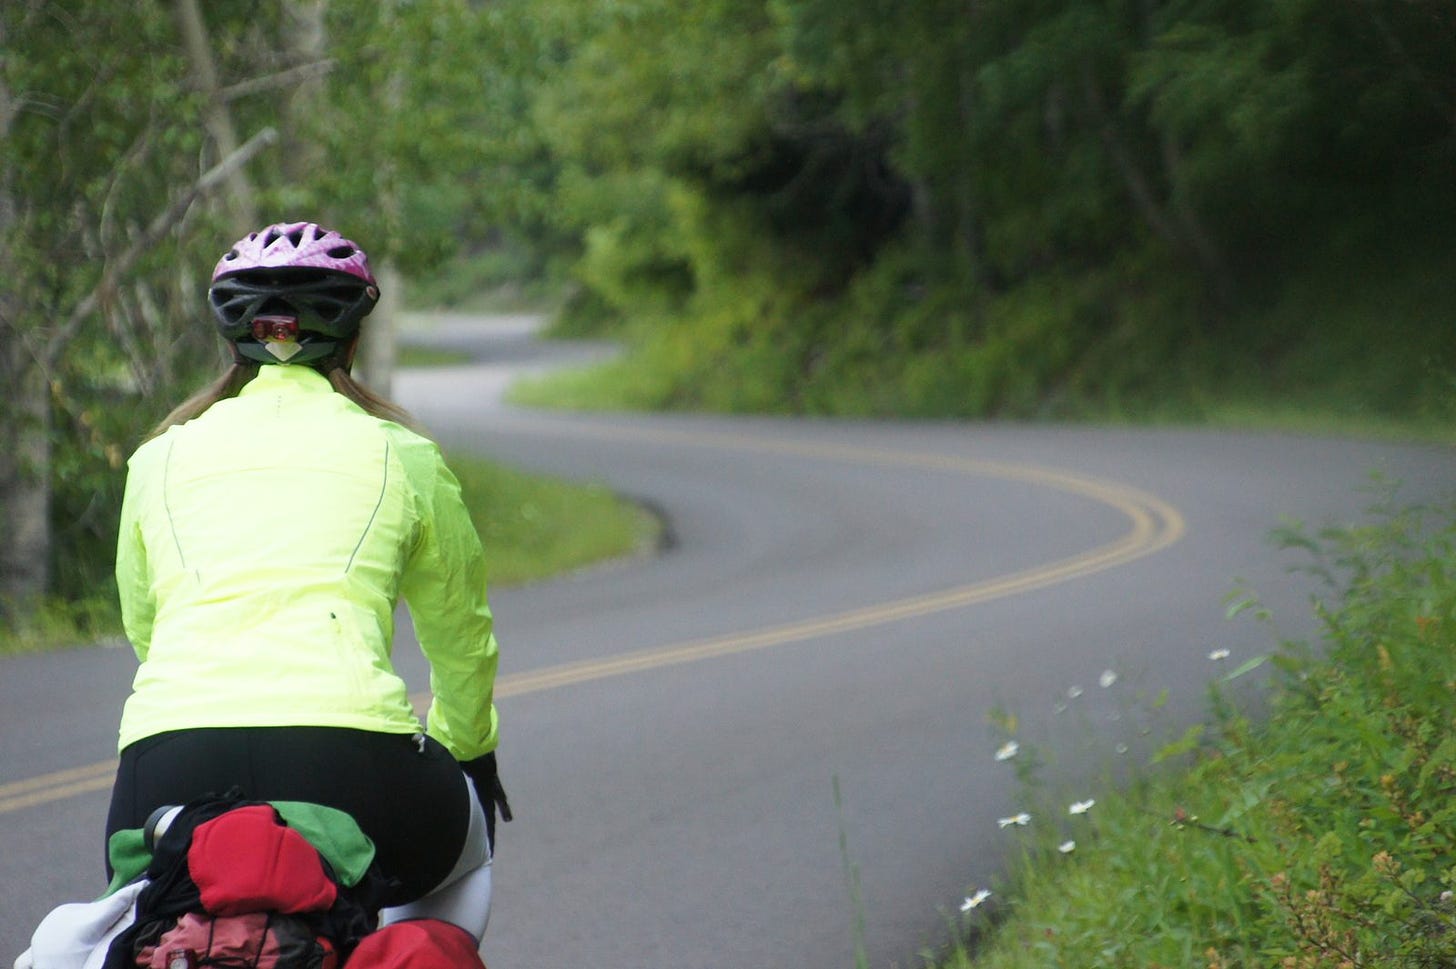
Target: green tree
134	141
1069	196
98	177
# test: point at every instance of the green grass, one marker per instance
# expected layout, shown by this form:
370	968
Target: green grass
1322	836
532	527
58	624
608	386
621	385
1326	418
411	355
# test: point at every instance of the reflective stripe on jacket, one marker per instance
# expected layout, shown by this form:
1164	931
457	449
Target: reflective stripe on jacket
263	548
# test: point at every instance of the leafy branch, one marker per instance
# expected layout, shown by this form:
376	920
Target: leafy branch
155	230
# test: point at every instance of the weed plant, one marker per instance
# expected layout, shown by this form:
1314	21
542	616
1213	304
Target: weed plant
1322	837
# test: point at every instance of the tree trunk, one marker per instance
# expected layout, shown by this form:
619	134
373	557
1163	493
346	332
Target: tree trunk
25	493
305	42
25	455
968	220
1206	251
215	118
1134	179
374	365
378	343
1174	220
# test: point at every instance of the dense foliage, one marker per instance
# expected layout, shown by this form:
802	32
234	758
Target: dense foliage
1003	207
974	208
136	141
1320	838
83	174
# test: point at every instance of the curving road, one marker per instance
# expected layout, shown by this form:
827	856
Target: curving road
704	745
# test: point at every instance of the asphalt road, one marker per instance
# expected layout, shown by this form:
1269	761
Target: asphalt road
768	743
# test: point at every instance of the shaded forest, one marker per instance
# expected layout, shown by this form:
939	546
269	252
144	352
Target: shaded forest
1015	209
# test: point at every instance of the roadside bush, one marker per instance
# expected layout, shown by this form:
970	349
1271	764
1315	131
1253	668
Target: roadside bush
1324	837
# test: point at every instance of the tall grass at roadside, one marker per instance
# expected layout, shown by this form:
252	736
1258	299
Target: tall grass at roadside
534	527
56	623
1322	837
531	526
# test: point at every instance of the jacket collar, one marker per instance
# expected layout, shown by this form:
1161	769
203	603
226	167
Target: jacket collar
283	378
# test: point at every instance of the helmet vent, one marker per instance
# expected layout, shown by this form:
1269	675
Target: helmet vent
300	258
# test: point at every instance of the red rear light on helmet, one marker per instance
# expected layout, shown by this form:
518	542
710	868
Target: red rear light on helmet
275	328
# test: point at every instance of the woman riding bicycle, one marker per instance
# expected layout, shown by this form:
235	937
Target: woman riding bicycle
269	528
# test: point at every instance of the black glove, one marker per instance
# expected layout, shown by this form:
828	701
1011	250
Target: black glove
484	774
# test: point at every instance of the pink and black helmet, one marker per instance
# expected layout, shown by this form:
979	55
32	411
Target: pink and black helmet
292	292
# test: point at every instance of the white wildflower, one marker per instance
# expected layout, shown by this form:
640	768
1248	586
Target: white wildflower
1019	820
1081	807
974	901
1107	678
1218	654
1067	847
1008	750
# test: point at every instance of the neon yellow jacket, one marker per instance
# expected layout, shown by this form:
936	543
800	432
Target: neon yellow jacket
264	546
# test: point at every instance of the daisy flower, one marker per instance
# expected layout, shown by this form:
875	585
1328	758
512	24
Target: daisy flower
1081	807
974	901
1008	750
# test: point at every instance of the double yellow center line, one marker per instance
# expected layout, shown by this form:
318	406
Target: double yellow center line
1154	525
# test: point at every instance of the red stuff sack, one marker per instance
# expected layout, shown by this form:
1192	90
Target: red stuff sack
416	944
247	860
257	940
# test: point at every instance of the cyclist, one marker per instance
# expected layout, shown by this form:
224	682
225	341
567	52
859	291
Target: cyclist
270	526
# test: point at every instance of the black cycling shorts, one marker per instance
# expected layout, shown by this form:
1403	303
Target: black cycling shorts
412	803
